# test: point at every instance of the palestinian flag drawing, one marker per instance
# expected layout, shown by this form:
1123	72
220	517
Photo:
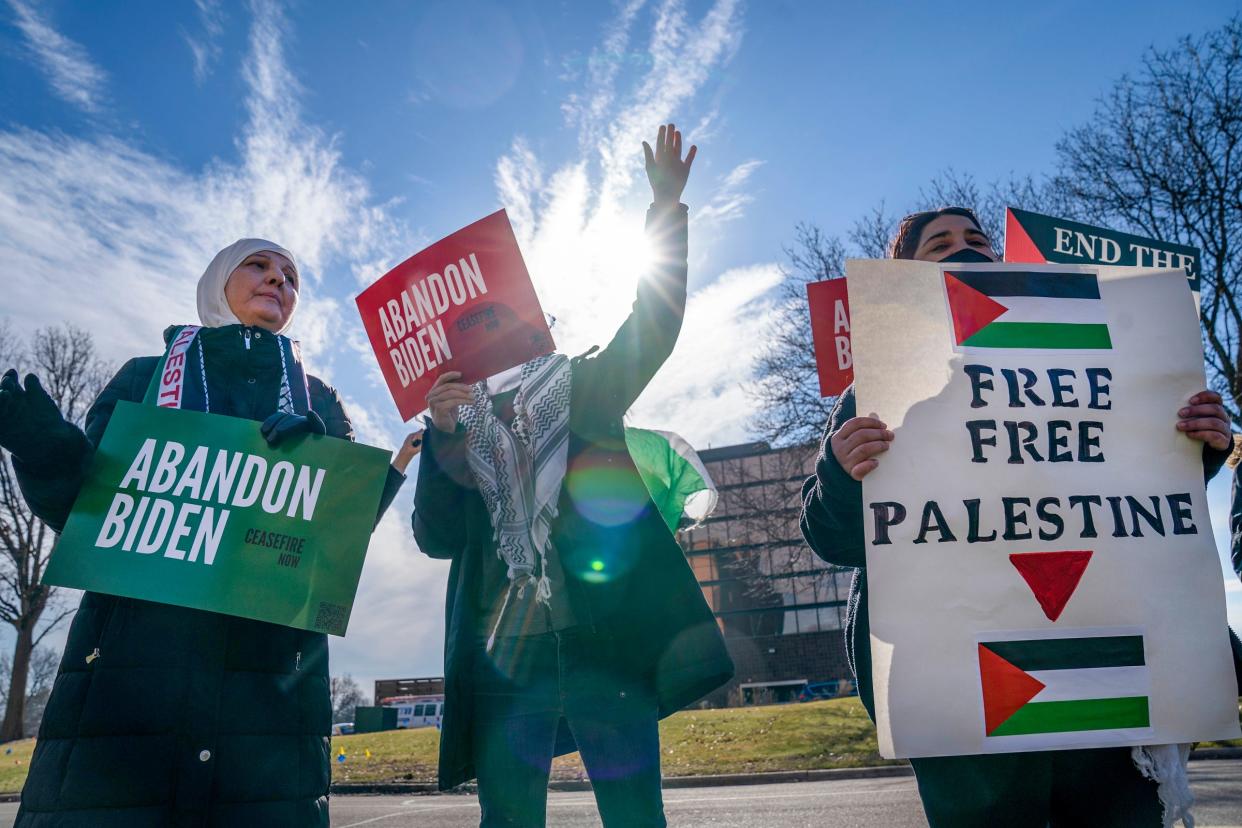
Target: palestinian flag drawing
1026	309
1090	683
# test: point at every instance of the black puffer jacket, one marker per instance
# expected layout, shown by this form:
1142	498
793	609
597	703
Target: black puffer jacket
166	716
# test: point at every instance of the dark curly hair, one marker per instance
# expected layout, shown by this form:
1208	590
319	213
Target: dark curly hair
906	242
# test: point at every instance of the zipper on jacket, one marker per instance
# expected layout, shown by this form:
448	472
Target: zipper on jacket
246	334
92	656
297	662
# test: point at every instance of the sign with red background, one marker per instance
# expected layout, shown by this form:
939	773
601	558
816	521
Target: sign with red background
830	330
466	304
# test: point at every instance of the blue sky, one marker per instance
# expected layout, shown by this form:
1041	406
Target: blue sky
136	139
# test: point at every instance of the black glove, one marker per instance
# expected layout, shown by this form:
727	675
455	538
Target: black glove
282	425
31	426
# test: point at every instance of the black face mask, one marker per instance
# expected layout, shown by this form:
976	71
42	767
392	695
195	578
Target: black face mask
968	255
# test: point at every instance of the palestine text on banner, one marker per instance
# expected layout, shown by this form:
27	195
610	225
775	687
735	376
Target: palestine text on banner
1038	488
196	510
1037	690
1023	309
830	331
464	304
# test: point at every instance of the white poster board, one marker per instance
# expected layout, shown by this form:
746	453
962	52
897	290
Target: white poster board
1040	558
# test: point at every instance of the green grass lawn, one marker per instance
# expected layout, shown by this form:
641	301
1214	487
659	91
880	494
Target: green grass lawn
828	734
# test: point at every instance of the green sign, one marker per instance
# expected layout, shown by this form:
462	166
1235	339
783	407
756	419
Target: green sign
197	510
1036	238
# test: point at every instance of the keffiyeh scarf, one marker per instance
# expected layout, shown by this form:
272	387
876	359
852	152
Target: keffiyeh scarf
519	468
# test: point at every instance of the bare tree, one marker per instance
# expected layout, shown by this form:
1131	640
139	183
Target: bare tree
345	695
786	388
65	360
43	665
1162	156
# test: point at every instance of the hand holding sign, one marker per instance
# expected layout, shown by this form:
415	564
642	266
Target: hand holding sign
858	444
445	395
1205	419
411	447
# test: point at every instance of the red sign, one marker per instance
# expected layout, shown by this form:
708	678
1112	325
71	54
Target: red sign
830	330
464	304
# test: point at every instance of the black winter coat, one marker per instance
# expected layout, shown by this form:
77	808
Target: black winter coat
168	716
832	523
654	611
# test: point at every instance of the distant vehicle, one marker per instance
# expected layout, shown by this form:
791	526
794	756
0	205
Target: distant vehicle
342	728
827	690
417	711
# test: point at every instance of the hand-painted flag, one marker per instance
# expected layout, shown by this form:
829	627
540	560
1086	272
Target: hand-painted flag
673	473
1064	685
1022	309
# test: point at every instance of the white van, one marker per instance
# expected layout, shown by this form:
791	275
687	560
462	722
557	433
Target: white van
417	711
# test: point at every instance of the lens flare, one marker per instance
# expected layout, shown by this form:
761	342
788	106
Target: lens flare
605	489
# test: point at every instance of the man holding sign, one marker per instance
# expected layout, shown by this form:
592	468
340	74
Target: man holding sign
166	710
573	619
1017	648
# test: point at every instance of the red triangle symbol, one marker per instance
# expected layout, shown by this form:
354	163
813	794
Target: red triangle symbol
1052	576
1018	244
1005	688
972	311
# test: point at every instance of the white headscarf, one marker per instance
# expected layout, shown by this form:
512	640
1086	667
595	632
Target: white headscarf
213	308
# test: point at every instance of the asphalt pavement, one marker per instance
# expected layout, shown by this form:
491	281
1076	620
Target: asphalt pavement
847	803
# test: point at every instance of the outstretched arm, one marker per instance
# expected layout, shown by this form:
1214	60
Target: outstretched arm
50	455
613	379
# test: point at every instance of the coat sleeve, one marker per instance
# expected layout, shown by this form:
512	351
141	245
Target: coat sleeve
444	483
609	382
51	484
327	404
832	509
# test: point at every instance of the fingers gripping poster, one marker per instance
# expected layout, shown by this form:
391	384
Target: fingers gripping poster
1041	566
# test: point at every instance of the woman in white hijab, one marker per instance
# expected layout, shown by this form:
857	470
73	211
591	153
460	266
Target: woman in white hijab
163	715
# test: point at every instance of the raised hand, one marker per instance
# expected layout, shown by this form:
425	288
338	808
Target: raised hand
30	421
666	171
445	396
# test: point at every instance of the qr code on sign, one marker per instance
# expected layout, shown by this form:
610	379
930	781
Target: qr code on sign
331	618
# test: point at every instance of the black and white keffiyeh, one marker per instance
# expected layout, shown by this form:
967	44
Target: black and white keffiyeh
519	469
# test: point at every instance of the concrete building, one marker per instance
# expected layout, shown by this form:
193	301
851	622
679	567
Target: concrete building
391	688
780	607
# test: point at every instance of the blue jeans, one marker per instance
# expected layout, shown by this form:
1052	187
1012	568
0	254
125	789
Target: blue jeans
524	689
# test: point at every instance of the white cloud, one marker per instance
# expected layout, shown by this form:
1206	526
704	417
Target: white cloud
730	199
699	393
70	71
205	47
